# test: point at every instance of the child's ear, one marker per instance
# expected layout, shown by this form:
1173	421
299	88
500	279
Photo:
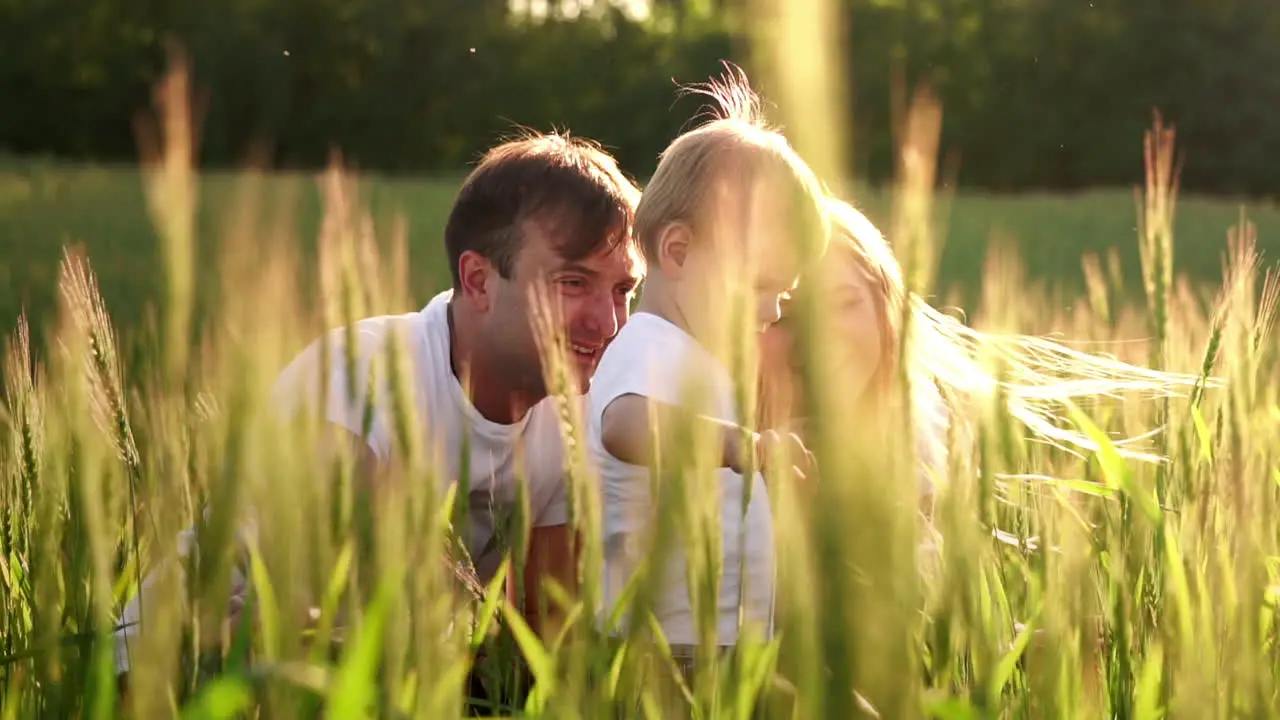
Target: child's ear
673	248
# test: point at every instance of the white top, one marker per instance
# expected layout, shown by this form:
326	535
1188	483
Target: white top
932	420
446	414
655	359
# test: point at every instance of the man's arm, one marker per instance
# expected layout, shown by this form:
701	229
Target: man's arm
366	461
553	555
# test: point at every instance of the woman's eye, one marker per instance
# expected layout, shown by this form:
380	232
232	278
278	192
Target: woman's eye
852	301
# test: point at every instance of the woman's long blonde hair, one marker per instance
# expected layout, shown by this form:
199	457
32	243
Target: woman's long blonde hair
1038	378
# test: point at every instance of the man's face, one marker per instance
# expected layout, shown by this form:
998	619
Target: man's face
590	299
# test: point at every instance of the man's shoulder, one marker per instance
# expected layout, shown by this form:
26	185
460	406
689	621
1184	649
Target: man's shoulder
413	333
370	336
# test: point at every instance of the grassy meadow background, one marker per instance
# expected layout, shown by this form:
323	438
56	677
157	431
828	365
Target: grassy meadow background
45	206
1073	583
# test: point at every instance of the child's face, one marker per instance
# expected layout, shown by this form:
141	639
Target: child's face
773	254
747	247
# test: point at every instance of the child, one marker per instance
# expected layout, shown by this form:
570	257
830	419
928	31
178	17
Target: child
722	208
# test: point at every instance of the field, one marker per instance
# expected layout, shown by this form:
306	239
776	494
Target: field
45	206
1071	582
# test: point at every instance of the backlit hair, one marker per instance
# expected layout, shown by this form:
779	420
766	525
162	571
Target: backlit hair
1040	376
571	184
852	232
726	156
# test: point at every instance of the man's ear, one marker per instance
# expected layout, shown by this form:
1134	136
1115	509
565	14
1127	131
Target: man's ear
476	274
673	248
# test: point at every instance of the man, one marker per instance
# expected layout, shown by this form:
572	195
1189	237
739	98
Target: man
544	209
541	209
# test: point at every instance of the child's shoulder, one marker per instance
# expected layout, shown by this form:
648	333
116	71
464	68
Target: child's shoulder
648	357
648	334
651	325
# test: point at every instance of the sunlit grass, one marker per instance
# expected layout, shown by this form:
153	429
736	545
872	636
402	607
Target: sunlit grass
1069	584
43	207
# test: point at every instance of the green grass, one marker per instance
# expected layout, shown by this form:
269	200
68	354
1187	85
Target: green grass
1071	584
104	210
43	207
1176	565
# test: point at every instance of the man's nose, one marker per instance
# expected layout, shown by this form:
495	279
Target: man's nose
605	316
621	312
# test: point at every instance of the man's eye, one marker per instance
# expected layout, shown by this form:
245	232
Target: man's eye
575	283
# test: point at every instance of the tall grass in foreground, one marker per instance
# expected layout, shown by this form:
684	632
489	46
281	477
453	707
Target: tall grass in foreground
1070	585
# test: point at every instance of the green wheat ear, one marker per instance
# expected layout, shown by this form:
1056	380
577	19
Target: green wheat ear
23	401
168	142
88	312
1156	211
103	462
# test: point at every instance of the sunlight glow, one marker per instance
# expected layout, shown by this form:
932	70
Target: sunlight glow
569	9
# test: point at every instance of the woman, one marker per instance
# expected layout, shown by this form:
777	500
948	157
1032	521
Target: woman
949	363
863	297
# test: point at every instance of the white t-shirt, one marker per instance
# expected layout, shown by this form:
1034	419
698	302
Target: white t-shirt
446	414
932	421
655	359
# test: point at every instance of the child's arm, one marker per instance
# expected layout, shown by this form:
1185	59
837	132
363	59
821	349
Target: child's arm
627	431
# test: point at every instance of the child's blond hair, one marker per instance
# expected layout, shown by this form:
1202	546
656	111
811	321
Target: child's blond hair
728	155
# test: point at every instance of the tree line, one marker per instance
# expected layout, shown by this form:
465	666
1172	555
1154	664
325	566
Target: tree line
1036	93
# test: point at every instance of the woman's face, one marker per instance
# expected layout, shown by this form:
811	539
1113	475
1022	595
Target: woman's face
854	322
855	306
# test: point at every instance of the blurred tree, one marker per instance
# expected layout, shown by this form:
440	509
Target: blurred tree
1037	93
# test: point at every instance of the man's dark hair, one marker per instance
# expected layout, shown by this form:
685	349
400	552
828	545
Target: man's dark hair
570	183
